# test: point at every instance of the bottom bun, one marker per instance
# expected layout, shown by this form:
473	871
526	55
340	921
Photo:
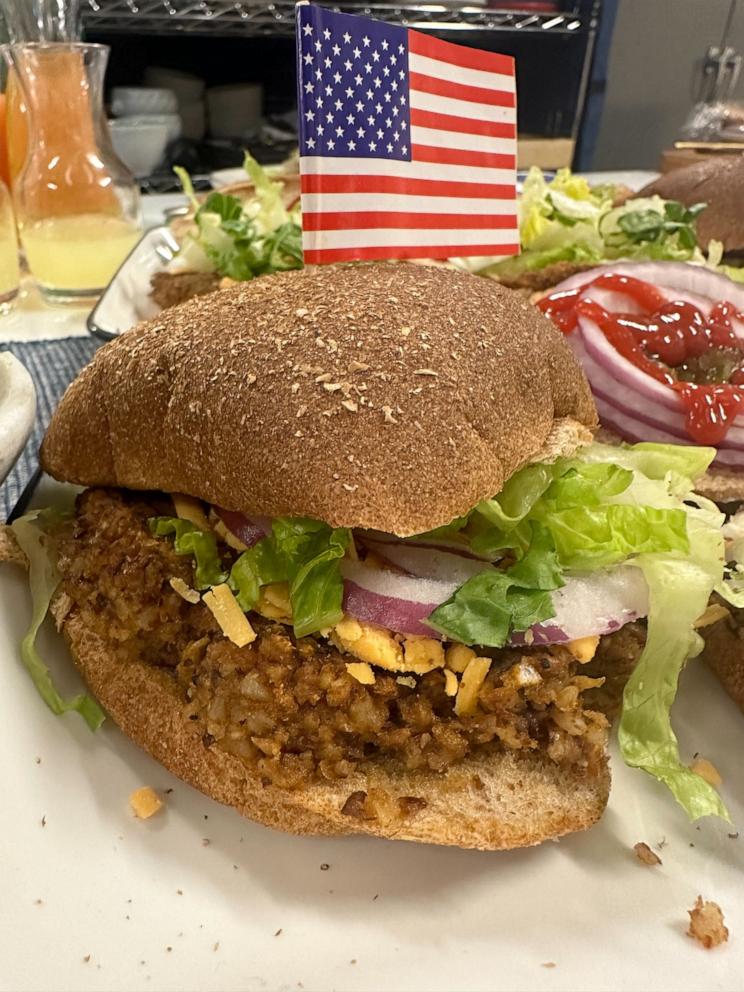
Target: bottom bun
495	801
724	652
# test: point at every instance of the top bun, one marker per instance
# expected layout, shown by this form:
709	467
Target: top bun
717	181
388	396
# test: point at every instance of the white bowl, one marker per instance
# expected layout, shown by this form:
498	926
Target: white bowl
194	119
139	143
188	88
233	110
171	121
17	410
129	101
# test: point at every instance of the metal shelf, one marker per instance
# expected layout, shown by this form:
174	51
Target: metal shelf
259	17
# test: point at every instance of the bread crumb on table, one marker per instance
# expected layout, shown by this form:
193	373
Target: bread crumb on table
706	924
645	855
145	802
548	964
707	770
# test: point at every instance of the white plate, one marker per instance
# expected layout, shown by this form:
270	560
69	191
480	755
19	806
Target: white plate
157	910
127	298
17	410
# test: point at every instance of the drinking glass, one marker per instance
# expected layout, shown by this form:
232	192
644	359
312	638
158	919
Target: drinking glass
76	204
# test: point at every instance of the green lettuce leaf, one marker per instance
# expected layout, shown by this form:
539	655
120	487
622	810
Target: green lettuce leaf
259	566
591	537
605	506
306	554
679	591
189	540
655	461
31	533
490	605
242	239
313	551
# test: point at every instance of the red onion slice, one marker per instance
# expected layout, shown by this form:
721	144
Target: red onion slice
588	604
398	602
248	530
631	403
596	603
454	547
429	563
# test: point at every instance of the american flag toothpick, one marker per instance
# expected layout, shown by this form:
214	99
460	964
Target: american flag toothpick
407	142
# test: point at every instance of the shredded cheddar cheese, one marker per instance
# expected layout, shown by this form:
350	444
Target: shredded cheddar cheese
361	671
375	645
423	654
184	591
450	683
707	770
223	531
188	508
713	613
233	622
472	679
584	648
458	657
145	802
274	603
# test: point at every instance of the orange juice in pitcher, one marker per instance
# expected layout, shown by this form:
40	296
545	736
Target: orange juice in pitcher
76	204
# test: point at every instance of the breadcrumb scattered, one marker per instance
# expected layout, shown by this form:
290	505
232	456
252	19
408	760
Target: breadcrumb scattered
706	924
707	770
548	964
86	958
145	802
645	855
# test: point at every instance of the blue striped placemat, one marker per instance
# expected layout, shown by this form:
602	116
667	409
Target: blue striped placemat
53	365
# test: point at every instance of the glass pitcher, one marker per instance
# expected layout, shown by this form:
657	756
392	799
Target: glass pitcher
76	204
10	275
25	21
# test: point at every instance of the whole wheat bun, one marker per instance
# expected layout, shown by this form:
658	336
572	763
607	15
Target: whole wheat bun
724	652
388	396
717	181
496	801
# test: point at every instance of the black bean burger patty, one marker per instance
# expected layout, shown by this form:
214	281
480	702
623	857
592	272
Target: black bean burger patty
288	706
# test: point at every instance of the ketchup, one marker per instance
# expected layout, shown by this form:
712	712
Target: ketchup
661	340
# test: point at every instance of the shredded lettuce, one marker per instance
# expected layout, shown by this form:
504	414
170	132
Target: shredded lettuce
240	238
306	554
313	552
605	506
189	540
31	532
567	220
489	606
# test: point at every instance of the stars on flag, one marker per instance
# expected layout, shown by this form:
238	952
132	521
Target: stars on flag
362	76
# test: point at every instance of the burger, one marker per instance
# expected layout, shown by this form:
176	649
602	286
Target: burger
348	560
662	346
717	181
